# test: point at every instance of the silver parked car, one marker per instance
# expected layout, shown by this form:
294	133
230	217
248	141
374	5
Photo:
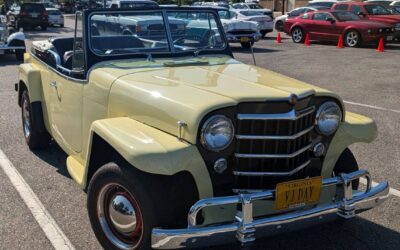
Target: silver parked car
11	43
265	23
55	17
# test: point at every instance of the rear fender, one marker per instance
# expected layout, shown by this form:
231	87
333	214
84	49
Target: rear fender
151	150
355	128
31	78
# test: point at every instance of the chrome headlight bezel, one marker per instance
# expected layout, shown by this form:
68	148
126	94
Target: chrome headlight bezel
328	106
205	140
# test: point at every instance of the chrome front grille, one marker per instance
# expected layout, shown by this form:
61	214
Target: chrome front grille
271	148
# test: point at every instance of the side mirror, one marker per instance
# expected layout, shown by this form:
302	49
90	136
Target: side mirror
331	20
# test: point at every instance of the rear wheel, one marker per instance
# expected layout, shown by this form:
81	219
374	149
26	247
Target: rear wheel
352	38
35	132
263	33
279	25
121	210
19	55
43	27
298	35
347	163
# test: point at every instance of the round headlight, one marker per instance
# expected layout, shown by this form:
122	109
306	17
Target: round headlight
217	133
328	118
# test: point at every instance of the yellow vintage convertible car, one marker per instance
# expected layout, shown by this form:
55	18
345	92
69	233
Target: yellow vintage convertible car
178	144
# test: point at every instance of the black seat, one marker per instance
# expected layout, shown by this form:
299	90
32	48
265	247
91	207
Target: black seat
63	44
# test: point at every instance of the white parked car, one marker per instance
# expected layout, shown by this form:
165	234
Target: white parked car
14	43
239	30
55	17
280	20
265	23
255	7
323	3
385	3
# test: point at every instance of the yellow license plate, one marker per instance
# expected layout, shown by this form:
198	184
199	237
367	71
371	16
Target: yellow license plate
244	39
298	193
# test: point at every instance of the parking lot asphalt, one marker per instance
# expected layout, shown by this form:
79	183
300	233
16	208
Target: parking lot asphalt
368	81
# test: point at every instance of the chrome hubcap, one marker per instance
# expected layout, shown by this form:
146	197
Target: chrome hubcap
119	216
122	214
297	35
352	38
26	118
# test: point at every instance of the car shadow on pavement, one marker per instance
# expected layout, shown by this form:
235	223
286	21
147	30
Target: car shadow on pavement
389	46
55	157
357	233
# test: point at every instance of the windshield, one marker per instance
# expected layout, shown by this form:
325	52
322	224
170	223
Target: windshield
250	13
346	16
255	6
376	10
145	32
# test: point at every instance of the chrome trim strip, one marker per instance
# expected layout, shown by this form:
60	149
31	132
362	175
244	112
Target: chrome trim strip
11	47
279	174
347	205
274	137
238	155
291	115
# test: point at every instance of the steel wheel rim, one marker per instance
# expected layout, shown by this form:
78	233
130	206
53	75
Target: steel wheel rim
123	229
26	118
297	35
352	38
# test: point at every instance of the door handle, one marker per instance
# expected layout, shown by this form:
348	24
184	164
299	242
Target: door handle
53	84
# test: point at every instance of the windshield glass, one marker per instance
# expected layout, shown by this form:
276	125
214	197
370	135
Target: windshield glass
346	16
145	32
255	6
250	13
376	10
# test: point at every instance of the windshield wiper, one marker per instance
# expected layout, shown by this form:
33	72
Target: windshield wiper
199	50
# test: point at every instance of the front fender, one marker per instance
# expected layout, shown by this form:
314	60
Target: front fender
16	36
153	151
31	77
355	128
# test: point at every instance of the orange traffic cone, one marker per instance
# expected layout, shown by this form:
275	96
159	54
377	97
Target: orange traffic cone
340	42
278	38
381	46
307	41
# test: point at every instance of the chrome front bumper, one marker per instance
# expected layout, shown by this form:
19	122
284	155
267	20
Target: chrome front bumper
6	47
246	229
233	38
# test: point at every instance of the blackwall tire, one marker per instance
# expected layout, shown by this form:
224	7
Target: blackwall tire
347	163
19	55
35	133
113	183
352	38
279	26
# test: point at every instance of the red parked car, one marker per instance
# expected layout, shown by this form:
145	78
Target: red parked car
373	12
328	25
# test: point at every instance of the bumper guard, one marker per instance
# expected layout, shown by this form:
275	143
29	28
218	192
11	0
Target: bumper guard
246	228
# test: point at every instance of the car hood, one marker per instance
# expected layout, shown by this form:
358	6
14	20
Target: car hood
235	24
385	18
368	24
161	93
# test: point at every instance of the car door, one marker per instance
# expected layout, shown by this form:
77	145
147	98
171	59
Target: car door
321	28
67	99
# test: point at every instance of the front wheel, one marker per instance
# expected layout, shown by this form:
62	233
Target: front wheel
35	132
347	163
352	38
263	33
298	35
120	209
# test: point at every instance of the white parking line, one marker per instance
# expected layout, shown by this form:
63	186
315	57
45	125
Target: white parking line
39	212
392	191
371	106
